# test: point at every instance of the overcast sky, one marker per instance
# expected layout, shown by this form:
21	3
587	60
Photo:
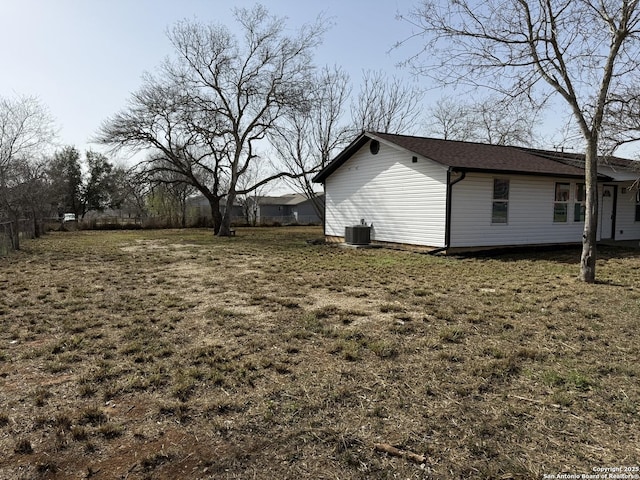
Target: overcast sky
83	58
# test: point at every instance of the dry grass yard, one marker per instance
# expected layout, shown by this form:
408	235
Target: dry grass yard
175	354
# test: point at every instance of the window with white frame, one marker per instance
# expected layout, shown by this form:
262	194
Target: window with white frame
638	205
561	203
579	205
500	206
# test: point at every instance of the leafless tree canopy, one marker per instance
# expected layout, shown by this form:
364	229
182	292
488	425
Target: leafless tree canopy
585	51
26	132
574	46
248	84
181	142
493	120
387	105
24	125
622	118
217	99
307	139
25	129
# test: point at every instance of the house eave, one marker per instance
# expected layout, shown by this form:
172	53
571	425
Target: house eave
601	178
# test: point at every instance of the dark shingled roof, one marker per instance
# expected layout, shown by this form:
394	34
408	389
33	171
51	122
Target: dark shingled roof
578	159
465	156
479	156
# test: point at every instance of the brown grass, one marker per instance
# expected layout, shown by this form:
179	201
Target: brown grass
175	354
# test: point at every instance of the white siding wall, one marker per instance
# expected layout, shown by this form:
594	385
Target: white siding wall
530	215
626	226
404	201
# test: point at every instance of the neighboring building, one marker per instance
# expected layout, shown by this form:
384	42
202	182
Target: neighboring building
263	210
287	209
199	210
453	195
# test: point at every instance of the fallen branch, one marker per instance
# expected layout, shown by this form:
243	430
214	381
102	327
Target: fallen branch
396	452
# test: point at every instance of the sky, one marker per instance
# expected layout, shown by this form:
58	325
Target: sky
83	58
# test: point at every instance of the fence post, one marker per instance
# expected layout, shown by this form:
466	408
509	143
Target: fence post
14	232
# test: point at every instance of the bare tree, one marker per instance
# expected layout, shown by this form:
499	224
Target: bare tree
210	108
387	105
504	121
181	141
29	194
493	120
450	120
26	131
622	118
307	139
585	51
26	128
246	83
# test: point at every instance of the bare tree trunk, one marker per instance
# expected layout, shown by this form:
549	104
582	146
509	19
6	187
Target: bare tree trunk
216	216
225	226
36	226
589	236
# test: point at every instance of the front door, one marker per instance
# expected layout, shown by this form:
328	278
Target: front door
608	211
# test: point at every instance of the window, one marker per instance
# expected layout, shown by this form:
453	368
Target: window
578	206
638	206
563	191
500	209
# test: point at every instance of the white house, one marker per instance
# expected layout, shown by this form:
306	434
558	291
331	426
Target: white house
452	195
